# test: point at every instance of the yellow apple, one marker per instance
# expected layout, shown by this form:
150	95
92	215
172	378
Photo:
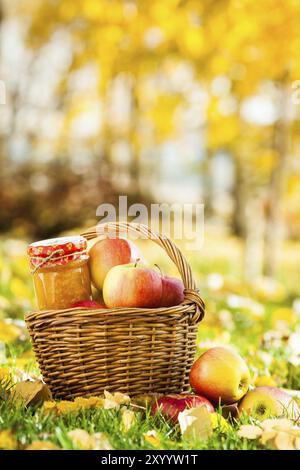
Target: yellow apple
221	375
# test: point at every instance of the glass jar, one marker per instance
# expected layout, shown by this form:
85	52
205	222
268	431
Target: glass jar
60	272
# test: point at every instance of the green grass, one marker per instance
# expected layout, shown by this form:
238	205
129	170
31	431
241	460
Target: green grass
30	425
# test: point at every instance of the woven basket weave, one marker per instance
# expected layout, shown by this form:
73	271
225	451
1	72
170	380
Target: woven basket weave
136	351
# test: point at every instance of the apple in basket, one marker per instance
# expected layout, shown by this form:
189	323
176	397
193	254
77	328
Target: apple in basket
172	291
88	304
108	253
132	285
171	405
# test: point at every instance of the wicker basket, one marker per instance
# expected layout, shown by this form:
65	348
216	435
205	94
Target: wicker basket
136	351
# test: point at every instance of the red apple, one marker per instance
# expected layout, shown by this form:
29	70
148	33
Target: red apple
88	304
265	402
172	291
171	405
221	375
130	285
108	253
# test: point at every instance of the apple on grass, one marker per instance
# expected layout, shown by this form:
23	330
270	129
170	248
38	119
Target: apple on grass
108	253
221	375
171	405
130	285
265	402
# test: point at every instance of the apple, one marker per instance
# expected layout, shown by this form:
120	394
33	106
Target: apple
266	402
108	253
132	285
171	405
221	375
172	291
88	304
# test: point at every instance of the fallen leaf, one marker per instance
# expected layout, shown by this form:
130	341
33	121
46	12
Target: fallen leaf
152	438
102	441
146	400
279	424
267	435
42	445
30	393
284	441
82	439
195	423
7	440
114	400
218	421
297	443
249	431
128	419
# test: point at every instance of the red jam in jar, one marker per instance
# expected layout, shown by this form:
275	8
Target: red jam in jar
60	272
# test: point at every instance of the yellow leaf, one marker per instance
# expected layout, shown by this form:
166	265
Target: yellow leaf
102	441
30	393
42	445
219	422
267	435
297	443
128	419
114	400
279	424
249	431
7	440
284	441
195	423
82	439
152	438
66	407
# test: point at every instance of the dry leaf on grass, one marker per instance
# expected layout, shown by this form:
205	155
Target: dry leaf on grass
82	439
29	393
7	440
297	443
196	423
279	424
152	438
102	441
249	431
42	445
85	441
279	433
128	419
284	441
114	400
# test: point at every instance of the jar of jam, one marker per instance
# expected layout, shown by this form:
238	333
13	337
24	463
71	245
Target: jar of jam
60	272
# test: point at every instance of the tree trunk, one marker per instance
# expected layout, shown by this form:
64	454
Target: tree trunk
273	236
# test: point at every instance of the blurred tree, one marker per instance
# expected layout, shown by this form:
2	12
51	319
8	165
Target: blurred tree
244	55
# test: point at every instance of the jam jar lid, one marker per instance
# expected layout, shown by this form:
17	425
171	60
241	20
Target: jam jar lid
57	251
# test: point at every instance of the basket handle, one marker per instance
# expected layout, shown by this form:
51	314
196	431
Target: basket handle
191	292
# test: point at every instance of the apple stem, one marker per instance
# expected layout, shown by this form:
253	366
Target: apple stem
137	261
160	270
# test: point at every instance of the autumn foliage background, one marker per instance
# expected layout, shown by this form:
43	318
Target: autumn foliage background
163	101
